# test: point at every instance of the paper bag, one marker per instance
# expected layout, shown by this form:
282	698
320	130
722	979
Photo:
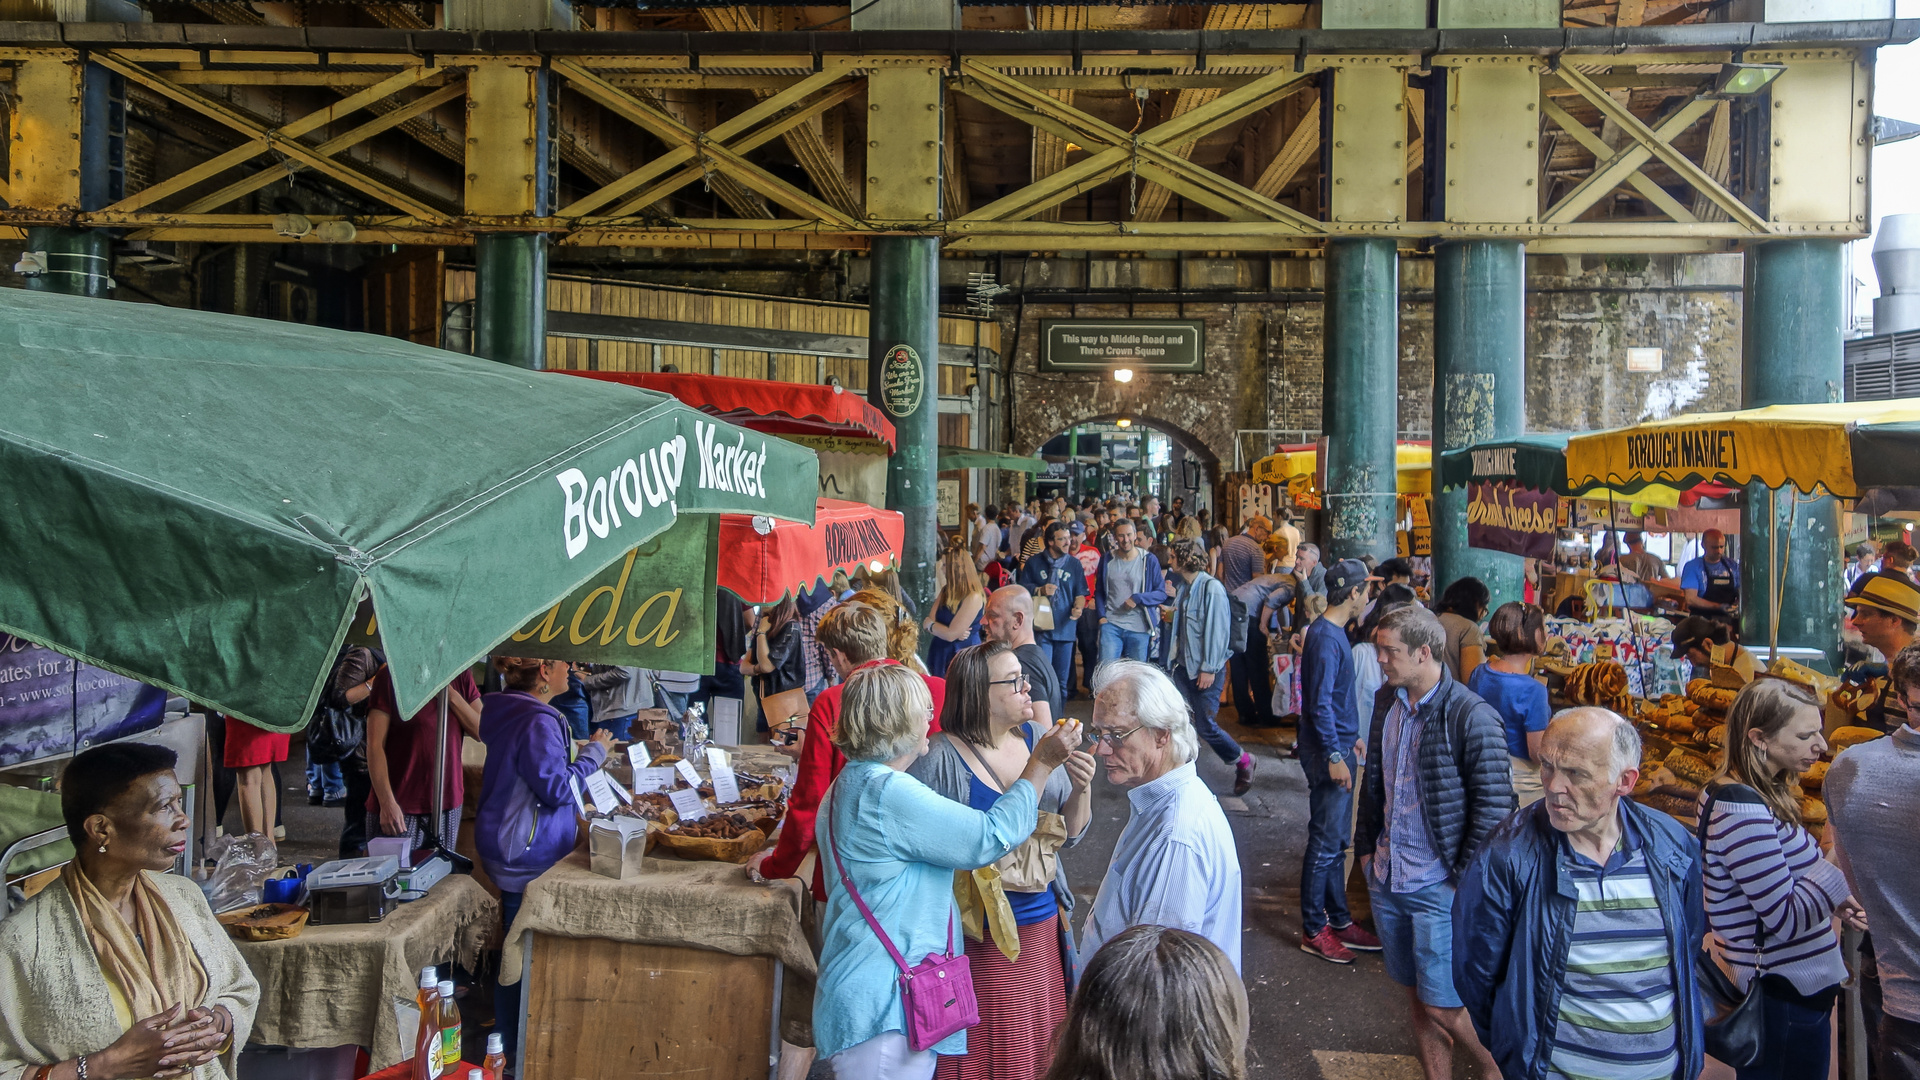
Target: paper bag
1031	866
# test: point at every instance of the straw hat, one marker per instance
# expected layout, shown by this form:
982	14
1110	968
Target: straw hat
1885	591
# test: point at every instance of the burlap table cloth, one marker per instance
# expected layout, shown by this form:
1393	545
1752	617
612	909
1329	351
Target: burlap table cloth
335	985
705	905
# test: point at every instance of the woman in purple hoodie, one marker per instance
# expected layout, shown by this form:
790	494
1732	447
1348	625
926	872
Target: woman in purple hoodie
526	819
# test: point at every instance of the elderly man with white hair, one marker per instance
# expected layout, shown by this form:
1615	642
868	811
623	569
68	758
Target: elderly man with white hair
1589	900
1175	864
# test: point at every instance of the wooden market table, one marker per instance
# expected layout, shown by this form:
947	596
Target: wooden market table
336	985
689	969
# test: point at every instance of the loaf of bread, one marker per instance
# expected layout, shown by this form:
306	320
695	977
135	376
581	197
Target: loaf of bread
1850	736
1813	778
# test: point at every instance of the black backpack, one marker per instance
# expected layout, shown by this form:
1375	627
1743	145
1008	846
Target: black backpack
335	734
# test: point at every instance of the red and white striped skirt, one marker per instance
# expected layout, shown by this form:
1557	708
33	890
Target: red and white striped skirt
1022	1005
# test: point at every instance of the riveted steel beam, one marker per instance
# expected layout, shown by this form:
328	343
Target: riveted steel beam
423	104
1602	153
45	157
1662	148
709	148
252	148
247	126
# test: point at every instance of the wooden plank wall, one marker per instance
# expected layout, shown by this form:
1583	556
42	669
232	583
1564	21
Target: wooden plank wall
679	305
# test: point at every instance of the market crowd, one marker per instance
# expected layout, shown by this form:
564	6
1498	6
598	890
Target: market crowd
1543	923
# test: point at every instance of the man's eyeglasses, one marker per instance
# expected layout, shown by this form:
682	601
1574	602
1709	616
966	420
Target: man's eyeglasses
1018	682
1114	738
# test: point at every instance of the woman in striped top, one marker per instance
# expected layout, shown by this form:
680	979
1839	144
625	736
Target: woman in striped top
1770	897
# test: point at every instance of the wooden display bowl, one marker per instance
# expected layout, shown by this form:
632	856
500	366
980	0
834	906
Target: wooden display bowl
265	922
736	850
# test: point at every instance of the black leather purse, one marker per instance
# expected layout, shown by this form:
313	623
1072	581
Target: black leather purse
1737	1033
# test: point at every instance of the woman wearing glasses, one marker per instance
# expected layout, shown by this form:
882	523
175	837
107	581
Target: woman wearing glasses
898	844
1021	947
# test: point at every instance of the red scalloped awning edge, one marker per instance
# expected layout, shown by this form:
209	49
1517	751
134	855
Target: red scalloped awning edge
776	407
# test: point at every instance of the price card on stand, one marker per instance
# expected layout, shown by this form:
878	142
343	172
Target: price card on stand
606	794
638	757
688	804
687	772
579	799
726	788
653	778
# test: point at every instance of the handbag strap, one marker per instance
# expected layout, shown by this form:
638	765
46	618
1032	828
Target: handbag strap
847	880
1759	928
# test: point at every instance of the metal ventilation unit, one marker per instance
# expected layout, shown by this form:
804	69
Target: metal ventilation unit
1887	365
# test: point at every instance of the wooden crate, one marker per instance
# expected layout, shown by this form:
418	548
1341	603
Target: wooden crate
598	1009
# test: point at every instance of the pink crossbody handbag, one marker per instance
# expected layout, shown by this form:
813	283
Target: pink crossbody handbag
937	993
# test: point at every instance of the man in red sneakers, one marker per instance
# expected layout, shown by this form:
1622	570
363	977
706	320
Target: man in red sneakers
1330	751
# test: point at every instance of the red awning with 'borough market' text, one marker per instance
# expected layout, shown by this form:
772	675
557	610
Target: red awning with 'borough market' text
779	408
763	559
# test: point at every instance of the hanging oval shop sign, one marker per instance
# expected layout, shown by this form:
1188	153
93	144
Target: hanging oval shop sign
902	383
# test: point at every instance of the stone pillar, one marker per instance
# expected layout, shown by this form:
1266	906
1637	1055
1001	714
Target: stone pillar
1479	382
1360	409
1791	354
510	298
903	381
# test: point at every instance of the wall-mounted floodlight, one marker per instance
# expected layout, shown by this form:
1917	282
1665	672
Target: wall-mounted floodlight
1742	80
1123	375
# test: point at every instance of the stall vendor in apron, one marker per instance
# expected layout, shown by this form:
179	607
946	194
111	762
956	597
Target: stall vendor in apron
1712	580
1883	607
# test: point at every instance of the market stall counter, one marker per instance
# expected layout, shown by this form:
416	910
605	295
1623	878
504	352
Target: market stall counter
687	968
336	985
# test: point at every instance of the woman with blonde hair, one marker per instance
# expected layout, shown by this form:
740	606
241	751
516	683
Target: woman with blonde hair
1769	895
890	846
955	622
1155	1003
903	634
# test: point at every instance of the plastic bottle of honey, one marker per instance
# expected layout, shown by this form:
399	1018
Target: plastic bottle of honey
427	1042
449	1029
495	1066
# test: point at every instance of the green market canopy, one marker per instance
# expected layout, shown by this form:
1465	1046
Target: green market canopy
1532	461
199	500
962	457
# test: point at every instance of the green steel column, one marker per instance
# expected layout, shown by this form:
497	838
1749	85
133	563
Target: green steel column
79	261
510	298
1479	380
1791	354
903	379
1361	396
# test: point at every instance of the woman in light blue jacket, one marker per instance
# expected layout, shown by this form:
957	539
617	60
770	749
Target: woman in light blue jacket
900	842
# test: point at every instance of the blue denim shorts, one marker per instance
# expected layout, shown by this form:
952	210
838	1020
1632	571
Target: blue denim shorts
1416	938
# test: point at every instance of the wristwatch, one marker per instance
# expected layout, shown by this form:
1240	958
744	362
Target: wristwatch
1335	758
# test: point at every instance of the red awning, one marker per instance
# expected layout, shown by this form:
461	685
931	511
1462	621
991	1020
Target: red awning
763	559
779	408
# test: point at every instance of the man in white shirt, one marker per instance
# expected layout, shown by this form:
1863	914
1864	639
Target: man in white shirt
986	538
1175	864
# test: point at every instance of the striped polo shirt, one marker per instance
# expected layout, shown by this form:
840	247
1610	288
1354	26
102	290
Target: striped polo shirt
1617	1010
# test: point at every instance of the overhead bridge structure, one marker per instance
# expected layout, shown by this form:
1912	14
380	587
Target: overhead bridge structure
1349	130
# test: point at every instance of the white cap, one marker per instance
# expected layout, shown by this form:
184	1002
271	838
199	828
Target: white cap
429	978
495	1045
446	988
476	1074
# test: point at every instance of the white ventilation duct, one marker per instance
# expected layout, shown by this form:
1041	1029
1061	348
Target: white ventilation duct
1896	261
